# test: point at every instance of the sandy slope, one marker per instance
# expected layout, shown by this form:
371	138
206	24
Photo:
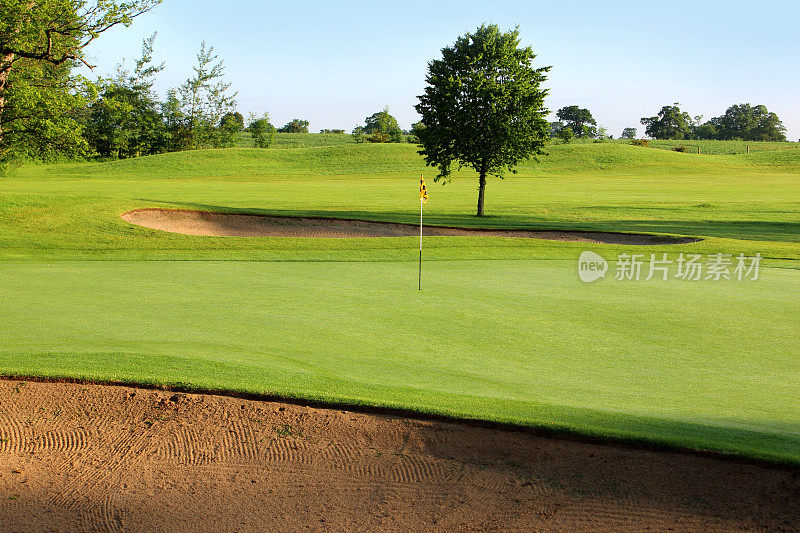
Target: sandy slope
208	223
85	457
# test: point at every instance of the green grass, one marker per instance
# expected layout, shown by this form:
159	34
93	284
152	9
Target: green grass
297	140
503	330
740	203
720	147
702	365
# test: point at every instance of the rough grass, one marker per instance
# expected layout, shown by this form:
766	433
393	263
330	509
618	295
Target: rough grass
723	147
748	203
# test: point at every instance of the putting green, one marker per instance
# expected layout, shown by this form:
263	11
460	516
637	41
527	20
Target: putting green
698	364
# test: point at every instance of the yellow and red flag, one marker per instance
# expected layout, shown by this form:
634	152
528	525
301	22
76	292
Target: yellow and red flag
423	191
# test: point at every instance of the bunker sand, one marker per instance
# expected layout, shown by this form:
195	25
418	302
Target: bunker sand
92	457
208	223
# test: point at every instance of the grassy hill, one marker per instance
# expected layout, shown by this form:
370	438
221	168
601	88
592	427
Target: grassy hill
744	203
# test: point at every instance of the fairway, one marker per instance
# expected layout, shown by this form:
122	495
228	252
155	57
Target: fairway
503	329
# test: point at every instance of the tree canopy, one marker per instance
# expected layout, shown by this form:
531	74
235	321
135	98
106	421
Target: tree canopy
261	130
748	123
670	123
125	121
297	125
483	106
39	44
579	120
741	121
382	127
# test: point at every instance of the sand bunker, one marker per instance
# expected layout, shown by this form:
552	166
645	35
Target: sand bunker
239	225
78	457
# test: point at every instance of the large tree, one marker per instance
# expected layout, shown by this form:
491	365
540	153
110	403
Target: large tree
483	106
126	120
382	127
297	125
670	123
205	98
749	123
261	130
579	120
40	41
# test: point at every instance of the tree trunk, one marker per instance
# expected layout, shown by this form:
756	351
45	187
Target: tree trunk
481	188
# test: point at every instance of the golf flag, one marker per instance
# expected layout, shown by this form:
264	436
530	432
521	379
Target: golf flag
423	199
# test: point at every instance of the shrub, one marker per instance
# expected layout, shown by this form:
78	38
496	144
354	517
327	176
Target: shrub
566	134
680	148
640	142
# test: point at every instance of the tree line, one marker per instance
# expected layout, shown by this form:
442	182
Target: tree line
743	122
47	111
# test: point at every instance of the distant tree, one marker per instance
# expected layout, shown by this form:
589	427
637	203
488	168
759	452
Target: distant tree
178	136
628	133
580	120
261	130
336	132
413	134
40	42
565	134
205	99
383	127
232	121
556	127
358	134
749	123
464	125
125	121
707	131
295	126
230	125
670	123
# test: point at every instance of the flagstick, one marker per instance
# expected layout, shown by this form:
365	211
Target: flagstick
420	244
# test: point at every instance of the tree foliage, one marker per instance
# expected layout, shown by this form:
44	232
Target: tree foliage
39	44
748	123
261	130
483	106
382	127
297	125
205	99
628	133
670	123
565	134
579	120
740	122
232	120
125	121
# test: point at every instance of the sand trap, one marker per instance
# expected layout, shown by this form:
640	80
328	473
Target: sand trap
78	457
239	225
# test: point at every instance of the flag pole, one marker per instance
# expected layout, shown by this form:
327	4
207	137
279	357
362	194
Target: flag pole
420	243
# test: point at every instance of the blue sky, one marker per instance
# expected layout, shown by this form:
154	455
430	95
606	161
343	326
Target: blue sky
334	63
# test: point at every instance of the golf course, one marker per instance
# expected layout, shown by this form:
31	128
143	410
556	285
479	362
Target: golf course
503	329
